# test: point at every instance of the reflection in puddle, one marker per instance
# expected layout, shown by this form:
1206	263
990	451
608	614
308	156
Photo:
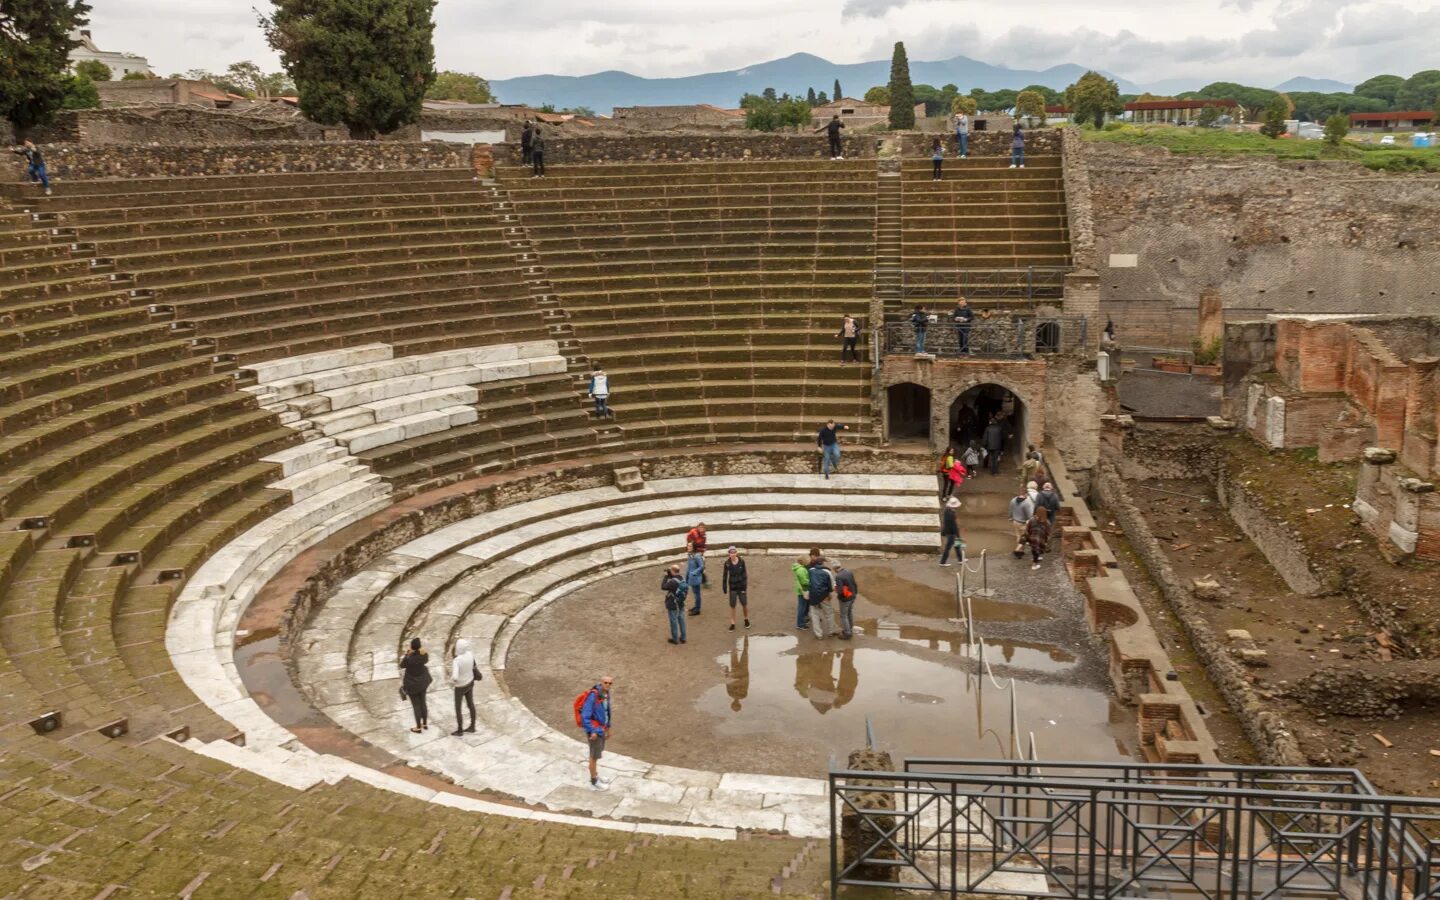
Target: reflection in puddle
998	651
887	588
962	715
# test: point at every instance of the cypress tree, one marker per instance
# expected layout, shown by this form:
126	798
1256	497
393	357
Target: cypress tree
35	48
363	63
902	93
837	95
810	96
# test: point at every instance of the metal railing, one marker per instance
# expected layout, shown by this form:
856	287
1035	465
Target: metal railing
1021	283
1013	337
1130	830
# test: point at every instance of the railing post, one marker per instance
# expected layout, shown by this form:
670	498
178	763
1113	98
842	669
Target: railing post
834	843
1030	283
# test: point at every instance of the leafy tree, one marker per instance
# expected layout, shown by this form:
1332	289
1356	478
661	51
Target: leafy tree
80	93
582	111
993	100
1050	96
902	95
1208	116
810	96
94	70
837	95
1092	98
1030	104
1420	91
364	63
1336	127
460	86
769	94
1381	87
1274	124
821	99
770	113
879	96
965	104
35	50
135	76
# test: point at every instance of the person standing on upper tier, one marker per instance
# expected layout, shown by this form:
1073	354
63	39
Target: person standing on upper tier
537	153
526	134
1017	148
962	133
600	392
832	130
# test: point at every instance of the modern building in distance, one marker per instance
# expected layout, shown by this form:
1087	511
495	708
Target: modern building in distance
121	64
1416	120
1173	112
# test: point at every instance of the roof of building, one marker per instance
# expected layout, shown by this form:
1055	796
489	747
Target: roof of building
1057	110
1413	115
1142	105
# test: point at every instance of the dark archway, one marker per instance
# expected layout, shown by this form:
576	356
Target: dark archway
908	408
974	409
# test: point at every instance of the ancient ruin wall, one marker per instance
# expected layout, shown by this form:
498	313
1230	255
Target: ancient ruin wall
132	161
1253	235
690	147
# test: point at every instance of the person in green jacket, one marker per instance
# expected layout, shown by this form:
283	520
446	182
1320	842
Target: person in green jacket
801	570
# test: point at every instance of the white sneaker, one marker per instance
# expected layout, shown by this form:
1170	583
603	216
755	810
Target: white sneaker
1034	567
602	786
1022	165
47	192
1012	165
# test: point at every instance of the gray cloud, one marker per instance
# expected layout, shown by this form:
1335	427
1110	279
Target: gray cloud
872	9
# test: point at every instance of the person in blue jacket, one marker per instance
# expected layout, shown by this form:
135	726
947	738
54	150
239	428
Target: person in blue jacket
595	718
695	577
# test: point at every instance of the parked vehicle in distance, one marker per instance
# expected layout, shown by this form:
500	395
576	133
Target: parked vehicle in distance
1388	139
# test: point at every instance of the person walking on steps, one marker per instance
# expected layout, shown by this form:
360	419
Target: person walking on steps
1021	509
1049	500
849	335
734	582
962	317
695	578
822	612
600	392
962	134
920	321
1037	535
828	443
672	582
993	438
1017	148
463	675
415	681
972	459
526	134
595	717
846	590
34	164
937	159
801	571
942	473
832	130
537	153
950	532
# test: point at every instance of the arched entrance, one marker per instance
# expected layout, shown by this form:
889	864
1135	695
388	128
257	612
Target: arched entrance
908	412
973	410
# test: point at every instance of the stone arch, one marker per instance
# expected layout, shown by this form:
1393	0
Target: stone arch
984	395
908	411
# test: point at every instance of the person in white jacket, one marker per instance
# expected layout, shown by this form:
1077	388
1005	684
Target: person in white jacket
463	675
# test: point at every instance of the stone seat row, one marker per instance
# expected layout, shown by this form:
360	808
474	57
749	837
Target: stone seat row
257	183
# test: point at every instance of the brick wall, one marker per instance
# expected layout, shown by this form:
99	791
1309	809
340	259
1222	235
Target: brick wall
689	148
89	162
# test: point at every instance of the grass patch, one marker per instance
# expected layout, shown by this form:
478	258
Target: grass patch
1218	142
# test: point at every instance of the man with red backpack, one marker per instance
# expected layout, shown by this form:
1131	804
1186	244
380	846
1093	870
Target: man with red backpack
592	713
846	590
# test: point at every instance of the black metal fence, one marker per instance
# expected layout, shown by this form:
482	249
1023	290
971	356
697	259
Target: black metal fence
1009	336
1082	830
1022	283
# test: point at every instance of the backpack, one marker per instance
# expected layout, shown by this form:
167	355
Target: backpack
580	706
821	584
847	592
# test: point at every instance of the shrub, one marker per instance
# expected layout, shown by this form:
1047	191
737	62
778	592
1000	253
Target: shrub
1206	353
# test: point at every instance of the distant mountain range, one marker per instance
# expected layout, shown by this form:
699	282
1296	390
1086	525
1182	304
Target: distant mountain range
795	74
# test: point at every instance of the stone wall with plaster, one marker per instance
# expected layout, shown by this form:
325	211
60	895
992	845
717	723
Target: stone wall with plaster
85	161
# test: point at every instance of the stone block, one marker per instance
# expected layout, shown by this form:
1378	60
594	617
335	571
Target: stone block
1239	634
1379	456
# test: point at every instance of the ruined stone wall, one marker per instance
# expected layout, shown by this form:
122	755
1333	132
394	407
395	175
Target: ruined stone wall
690	147
179	125
68	161
1079	200
982	143
1259	235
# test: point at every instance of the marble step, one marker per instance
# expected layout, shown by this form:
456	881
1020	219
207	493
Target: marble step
395	386
387	410
404	428
323	477
336	378
309	363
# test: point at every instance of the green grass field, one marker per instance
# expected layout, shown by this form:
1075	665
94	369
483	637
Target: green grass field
1216	142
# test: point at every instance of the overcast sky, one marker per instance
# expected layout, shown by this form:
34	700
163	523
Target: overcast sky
1260	42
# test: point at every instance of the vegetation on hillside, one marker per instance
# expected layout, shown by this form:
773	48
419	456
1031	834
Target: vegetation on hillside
1211	142
902	93
35	47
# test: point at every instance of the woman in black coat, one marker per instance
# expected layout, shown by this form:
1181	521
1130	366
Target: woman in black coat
415	681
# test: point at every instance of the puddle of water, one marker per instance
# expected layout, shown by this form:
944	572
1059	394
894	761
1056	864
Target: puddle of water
887	588
1024	654
928	707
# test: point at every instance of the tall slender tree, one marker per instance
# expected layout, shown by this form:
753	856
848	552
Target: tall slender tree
35	47
810	96
363	63
837	95
902	93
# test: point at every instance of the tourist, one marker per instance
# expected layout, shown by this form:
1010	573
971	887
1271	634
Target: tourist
993	439
937	159
1021	509
675	589
920	321
463	675
415	681
846	590
942	473
822	613
1032	490
695	578
733	582
962	133
972	459
695	542
1032	468
950	532
1109	329
595	718
526	134
801	571
828	443
537	153
34	164
1037	535
832	129
600	392
961	317
1049	500
849	335
1017	148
